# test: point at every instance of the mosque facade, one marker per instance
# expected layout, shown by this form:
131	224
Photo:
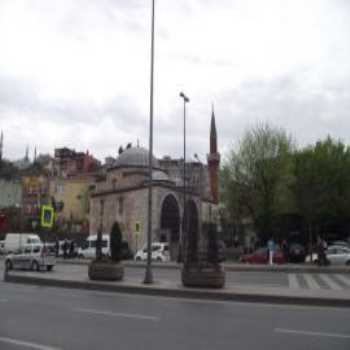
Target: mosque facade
122	195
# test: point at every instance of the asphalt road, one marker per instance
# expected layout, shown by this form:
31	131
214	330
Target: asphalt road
50	318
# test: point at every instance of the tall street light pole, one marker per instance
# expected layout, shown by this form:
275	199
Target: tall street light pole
186	100
200	194
148	274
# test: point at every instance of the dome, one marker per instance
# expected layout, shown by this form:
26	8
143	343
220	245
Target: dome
160	176
135	157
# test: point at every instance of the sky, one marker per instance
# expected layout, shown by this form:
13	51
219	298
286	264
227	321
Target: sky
76	73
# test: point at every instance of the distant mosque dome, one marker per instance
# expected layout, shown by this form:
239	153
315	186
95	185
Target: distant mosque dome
135	157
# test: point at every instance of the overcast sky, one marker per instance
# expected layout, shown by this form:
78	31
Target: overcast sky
76	72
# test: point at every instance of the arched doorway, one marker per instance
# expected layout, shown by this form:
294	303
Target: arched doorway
191	231
170	224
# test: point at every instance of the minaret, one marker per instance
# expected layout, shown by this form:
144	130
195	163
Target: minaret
1	144
214	160
26	157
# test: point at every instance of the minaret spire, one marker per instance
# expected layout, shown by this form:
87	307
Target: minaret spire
213	159
213	136
1	144
26	157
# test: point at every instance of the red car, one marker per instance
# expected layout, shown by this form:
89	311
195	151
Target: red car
260	256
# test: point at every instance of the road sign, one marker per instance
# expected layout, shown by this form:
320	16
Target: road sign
47	216
137	229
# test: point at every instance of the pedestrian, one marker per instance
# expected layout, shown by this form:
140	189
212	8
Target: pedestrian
321	248
285	250
57	247
72	249
271	250
65	248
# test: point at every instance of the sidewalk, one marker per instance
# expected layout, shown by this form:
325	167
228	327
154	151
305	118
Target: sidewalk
252	293
230	266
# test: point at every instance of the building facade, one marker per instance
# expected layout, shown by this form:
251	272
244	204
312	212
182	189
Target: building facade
122	195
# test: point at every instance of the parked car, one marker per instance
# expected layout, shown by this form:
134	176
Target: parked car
31	257
14	241
160	252
88	248
338	255
297	253
341	243
260	256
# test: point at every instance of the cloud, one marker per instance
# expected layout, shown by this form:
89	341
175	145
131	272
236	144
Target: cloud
76	73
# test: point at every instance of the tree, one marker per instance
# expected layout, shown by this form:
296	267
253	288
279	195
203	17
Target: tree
322	184
256	177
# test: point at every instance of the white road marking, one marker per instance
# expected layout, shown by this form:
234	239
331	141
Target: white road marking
293	282
311	282
344	279
118	314
26	344
331	283
316	334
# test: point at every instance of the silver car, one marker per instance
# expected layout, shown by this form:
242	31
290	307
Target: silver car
31	257
338	255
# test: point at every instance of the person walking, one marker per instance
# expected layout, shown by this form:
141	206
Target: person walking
321	247
285	250
65	248
57	247
271	249
72	249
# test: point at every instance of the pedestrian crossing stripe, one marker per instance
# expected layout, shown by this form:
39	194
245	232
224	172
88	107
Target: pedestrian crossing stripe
336	282
344	279
311	282
331	283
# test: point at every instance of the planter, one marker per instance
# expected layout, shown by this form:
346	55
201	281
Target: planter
105	271
203	277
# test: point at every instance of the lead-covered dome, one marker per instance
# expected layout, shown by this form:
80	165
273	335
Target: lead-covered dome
135	157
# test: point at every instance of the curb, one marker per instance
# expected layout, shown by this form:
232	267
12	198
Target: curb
190	293
234	268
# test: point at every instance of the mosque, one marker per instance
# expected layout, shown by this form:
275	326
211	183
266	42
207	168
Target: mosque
122	195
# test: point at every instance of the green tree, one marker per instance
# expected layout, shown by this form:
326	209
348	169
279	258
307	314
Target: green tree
256	176
322	184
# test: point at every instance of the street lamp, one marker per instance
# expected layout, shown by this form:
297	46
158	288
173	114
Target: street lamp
200	193
186	100
148	273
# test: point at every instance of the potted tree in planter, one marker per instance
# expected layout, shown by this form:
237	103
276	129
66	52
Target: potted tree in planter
109	268
205	271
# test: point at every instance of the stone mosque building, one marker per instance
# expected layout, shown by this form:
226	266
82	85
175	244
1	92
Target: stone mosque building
122	195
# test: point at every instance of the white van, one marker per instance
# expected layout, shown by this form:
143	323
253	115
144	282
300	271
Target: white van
89	250
15	241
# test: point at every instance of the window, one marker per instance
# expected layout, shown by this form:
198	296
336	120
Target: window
104	244
27	250
36	249
17	251
332	251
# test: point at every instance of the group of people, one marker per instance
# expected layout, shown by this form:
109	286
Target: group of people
68	249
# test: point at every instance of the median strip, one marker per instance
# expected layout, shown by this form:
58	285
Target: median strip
309	333
26	344
117	314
